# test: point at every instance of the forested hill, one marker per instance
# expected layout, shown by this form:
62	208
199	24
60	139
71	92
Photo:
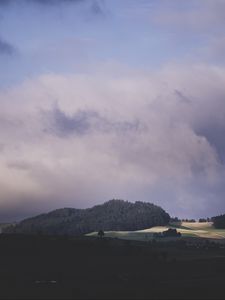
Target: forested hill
112	215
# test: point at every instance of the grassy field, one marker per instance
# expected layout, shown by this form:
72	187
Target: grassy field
201	230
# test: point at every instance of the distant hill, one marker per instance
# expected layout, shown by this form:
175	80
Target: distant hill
219	222
112	215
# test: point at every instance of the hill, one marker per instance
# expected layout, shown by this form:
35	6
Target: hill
112	215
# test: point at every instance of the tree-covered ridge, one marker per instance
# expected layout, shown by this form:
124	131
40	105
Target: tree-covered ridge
112	215
219	221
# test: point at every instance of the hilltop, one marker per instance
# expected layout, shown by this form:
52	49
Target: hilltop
112	215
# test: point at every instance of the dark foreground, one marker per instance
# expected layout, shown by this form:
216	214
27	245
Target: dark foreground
38	267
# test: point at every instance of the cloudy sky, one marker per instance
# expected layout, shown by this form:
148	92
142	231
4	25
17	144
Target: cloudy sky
103	99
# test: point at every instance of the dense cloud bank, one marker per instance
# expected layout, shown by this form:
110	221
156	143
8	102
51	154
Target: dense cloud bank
103	99
80	139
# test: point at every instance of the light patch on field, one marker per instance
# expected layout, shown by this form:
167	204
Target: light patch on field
154	229
204	230
184	232
198	225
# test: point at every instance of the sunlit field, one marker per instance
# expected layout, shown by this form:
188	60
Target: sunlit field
202	230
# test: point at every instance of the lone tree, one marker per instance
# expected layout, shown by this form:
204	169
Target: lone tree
171	233
101	233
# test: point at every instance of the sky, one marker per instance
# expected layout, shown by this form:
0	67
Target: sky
111	99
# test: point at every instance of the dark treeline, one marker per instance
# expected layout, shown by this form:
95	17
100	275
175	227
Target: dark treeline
201	220
177	220
112	215
219	221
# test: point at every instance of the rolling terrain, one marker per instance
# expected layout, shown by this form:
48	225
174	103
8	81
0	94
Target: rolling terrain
187	229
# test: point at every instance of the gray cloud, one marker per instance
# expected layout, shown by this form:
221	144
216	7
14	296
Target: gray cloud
204	15
214	133
43	2
92	7
152	137
18	165
84	122
95	6
2	146
6	48
196	23
63	125
182	97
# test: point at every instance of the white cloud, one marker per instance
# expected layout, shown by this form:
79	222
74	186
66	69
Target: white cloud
144	131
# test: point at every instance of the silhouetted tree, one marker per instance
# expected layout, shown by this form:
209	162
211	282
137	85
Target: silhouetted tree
202	220
189	220
175	220
171	233
101	233
219	221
